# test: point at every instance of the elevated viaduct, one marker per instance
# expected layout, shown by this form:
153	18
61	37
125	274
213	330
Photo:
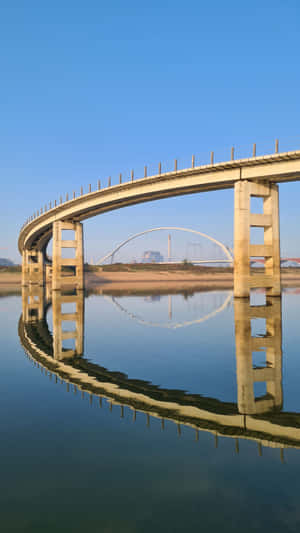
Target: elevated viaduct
251	177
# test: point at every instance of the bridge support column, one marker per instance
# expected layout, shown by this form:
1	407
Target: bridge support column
269	350
33	267
245	278
60	275
62	318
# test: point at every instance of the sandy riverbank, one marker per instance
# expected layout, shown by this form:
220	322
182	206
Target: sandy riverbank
9	281
158	279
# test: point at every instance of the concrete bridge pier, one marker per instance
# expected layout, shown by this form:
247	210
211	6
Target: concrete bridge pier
266	348
33	267
246	278
68	324
61	276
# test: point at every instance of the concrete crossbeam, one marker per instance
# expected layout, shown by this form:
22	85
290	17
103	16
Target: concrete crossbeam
260	189
69	316
258	281
69	244
260	311
260	250
260	220
68	226
259	343
66	261
263	374
68	335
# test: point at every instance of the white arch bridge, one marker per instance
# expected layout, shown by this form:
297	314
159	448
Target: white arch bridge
253	176
223	247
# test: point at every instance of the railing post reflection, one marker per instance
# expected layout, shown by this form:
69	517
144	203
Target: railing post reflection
64	317
247	344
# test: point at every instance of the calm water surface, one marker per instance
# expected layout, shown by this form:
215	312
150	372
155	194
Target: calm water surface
140	413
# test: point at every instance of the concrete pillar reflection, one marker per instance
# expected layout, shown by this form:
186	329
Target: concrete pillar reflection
33	303
68	324
269	344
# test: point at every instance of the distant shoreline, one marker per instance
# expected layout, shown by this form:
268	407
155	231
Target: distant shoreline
134	277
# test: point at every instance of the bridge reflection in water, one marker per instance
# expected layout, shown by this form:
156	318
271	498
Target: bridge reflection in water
256	418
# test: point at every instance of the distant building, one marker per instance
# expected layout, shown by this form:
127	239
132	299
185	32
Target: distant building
150	256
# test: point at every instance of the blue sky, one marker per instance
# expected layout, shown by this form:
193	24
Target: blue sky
90	89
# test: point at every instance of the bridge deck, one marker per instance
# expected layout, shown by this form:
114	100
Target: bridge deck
273	168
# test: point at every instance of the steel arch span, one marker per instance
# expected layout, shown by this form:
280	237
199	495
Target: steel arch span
223	247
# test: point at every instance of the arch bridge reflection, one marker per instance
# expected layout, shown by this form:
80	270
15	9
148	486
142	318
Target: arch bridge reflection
255	418
221	306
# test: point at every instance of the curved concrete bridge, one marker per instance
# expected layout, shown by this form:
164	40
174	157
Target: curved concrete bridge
256	176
